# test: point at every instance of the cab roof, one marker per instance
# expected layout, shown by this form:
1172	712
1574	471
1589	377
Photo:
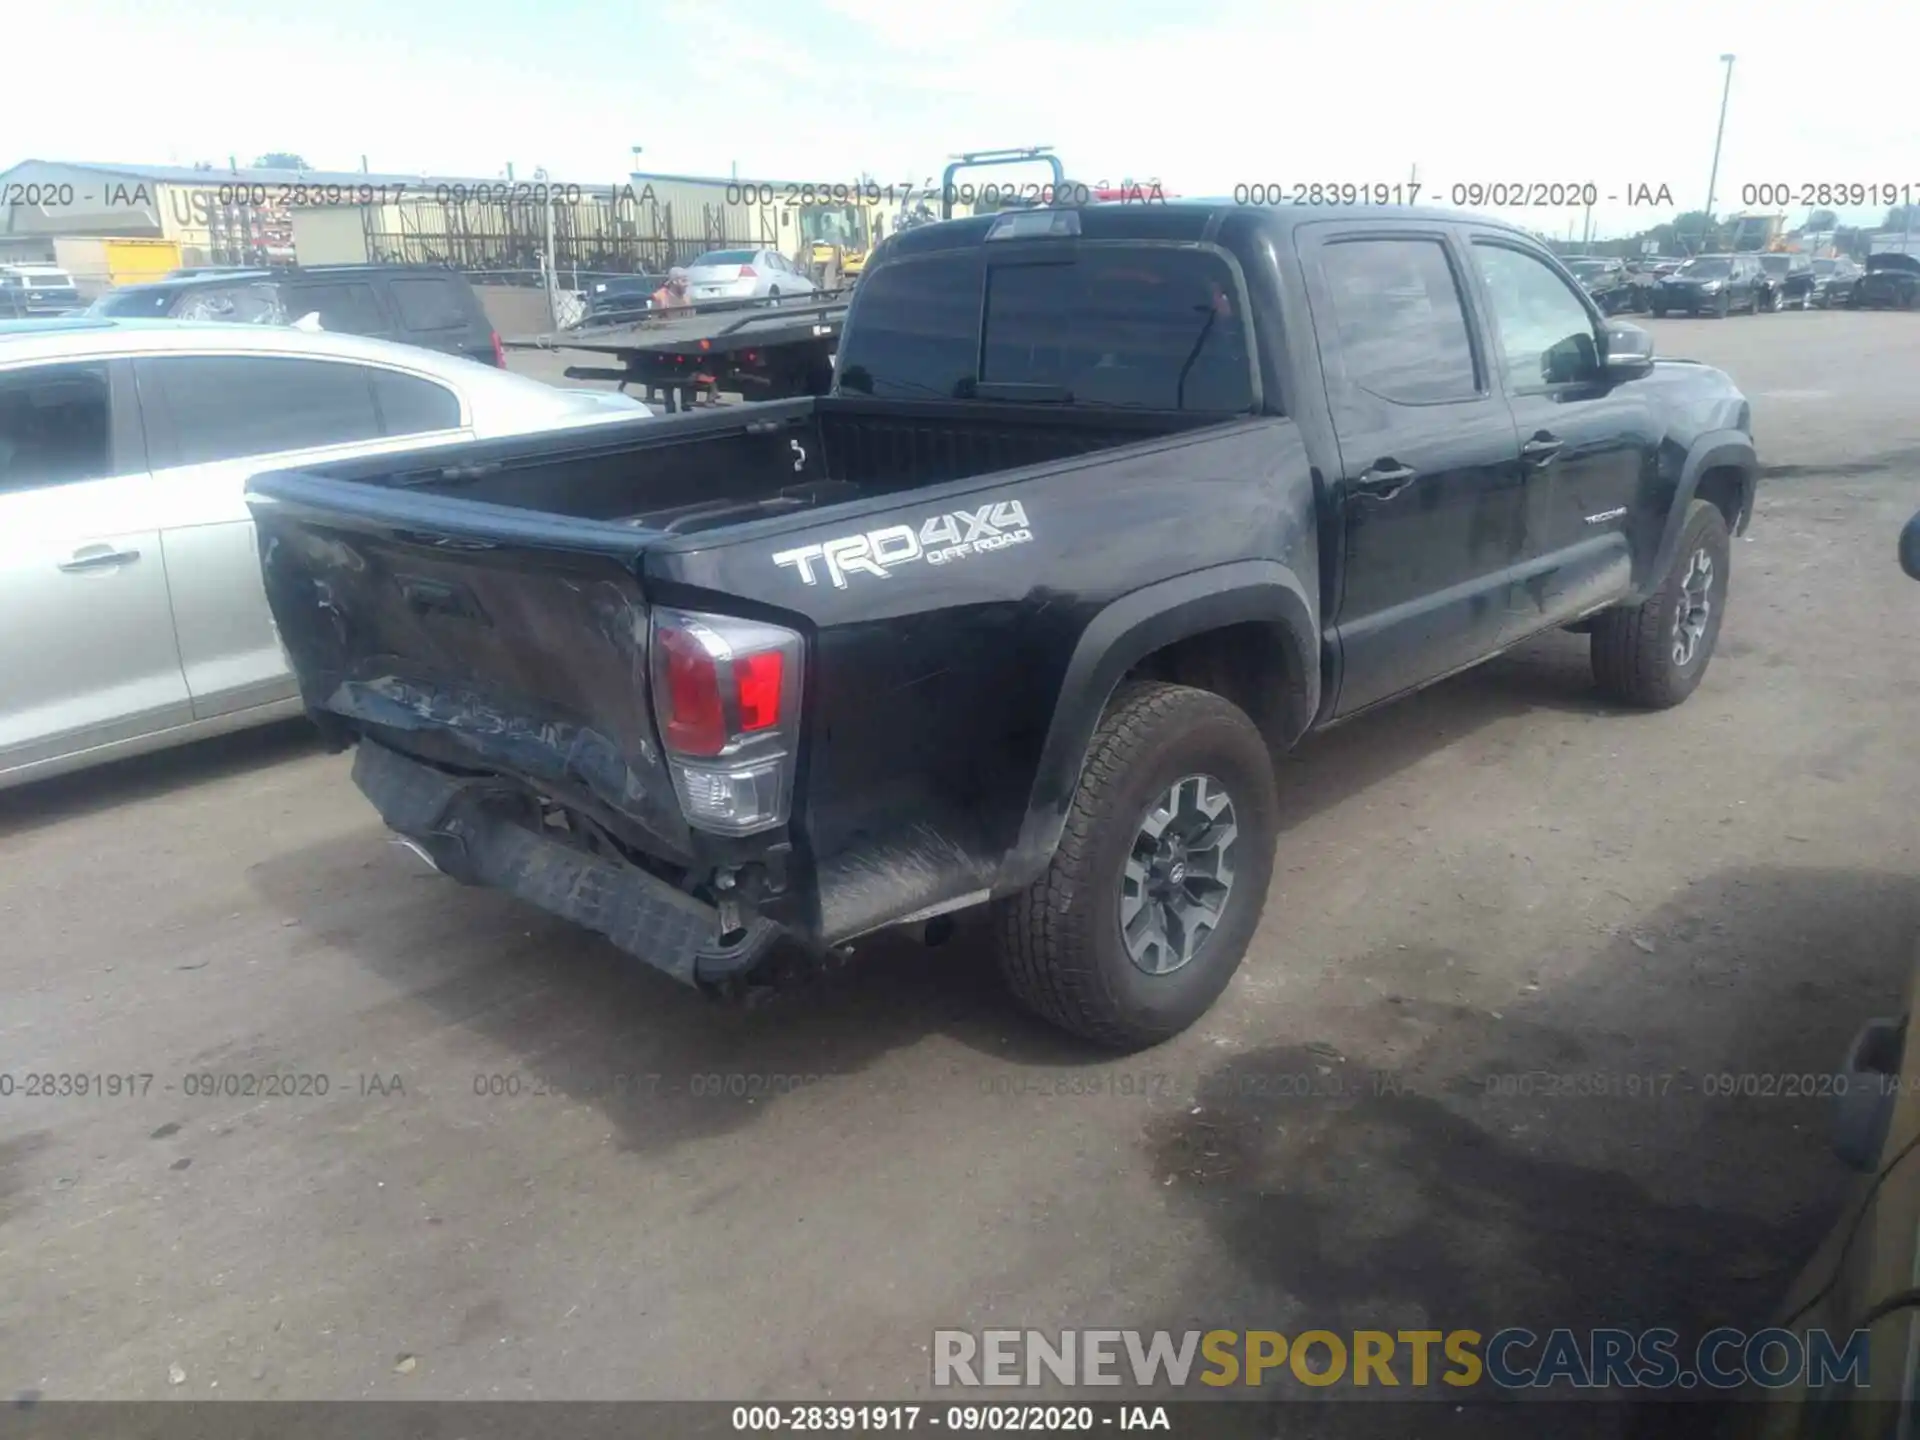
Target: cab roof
1180	220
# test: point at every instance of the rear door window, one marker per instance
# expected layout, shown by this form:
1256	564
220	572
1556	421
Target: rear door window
347	309
54	426
1398	322
427	302
225	407
1139	326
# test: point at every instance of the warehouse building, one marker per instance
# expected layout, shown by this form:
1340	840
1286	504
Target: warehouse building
85	217
117	224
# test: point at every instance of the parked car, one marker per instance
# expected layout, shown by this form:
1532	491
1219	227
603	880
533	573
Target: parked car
744	274
1789	281
38	290
131	615
1607	279
1035	593
1833	283
612	299
417	305
1712	285
1891	281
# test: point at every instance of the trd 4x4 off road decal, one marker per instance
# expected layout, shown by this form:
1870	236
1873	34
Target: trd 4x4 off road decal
939	541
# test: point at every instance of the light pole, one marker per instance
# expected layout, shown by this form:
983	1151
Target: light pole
547	261
1713	175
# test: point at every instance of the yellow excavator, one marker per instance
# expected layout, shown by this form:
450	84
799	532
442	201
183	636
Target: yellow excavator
839	237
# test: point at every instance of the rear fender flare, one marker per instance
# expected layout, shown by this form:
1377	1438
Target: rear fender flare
1715	450
1122	635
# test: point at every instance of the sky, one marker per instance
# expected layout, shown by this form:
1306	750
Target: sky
1207	94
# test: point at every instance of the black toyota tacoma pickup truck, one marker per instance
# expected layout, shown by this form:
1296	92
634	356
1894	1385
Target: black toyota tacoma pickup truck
1108	506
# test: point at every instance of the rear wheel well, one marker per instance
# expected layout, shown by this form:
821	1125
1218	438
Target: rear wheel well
1254	664
1724	488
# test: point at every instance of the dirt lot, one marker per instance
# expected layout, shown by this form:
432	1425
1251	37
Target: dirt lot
1499	876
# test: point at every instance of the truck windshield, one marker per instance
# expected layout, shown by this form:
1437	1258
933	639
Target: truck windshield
1144	327
834	225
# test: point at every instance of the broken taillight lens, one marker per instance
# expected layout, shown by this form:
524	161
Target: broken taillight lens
726	693
687	691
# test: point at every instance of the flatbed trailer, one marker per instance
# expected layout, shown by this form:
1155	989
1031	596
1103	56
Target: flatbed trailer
772	349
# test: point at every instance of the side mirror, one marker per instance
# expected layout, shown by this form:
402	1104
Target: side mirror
1910	548
1629	350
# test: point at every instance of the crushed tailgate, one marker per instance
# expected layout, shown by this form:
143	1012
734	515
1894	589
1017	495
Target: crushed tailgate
503	651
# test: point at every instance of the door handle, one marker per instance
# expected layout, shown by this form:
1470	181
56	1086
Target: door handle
1541	448
92	559
1384	479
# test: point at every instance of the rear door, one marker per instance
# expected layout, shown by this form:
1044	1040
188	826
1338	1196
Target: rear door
1588	445
441	312
214	421
1429	495
87	652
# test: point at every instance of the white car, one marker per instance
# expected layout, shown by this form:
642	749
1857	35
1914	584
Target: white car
744	275
132	614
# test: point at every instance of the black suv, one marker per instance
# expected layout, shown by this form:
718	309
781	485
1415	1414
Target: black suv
1607	279
415	305
1790	281
1891	279
1713	285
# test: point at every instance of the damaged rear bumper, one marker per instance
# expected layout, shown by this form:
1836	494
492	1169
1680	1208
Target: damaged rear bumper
469	829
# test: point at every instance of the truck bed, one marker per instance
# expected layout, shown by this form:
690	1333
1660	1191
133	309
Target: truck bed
695	473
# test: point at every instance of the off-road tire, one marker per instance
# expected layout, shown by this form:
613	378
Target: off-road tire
1060	943
1633	649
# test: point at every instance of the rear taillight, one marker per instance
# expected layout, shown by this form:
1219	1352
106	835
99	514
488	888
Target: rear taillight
747	272
727	695
499	351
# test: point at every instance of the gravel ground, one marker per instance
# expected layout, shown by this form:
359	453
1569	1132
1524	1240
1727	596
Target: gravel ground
679	1200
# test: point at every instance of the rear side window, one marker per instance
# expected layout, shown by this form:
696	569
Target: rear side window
1402	333
343	309
54	426
410	405
430	303
1138	326
224	407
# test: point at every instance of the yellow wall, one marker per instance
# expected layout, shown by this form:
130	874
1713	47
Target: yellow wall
133	262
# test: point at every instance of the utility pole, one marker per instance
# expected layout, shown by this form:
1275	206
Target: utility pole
1586	240
1713	175
546	260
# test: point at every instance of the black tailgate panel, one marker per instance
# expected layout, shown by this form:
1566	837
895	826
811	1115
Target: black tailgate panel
504	657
